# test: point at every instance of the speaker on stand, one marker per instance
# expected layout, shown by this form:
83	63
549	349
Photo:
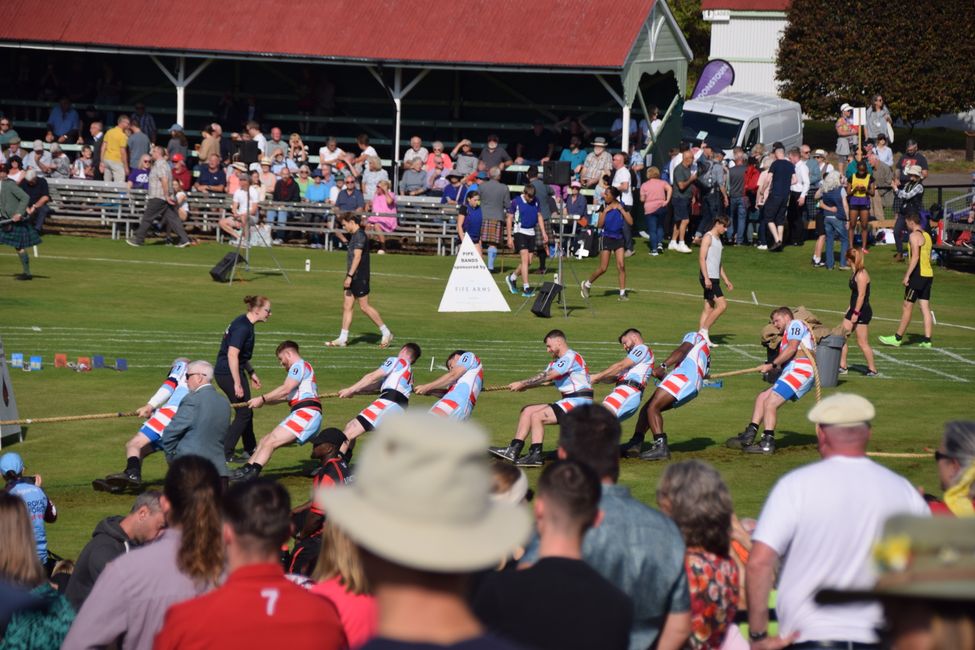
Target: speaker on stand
556	172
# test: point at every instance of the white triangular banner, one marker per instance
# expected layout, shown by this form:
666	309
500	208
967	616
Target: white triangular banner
470	286
8	403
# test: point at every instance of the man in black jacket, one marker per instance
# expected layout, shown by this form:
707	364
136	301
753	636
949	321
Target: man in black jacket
115	536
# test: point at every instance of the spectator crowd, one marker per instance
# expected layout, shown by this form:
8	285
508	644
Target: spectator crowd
430	546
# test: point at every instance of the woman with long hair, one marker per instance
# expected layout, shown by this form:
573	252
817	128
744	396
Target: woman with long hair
233	362
611	221
858	317
955	458
44	627
130	598
693	494
342	580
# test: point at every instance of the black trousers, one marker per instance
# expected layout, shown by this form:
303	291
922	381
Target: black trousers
796	226
155	209
243	425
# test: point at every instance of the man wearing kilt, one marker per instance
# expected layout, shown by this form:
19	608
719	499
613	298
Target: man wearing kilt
18	233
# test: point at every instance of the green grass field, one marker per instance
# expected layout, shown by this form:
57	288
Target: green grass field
149	305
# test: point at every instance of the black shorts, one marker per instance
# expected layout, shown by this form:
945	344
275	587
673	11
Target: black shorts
610	243
775	209
918	288
866	315
820	224
359	287
524	242
714	291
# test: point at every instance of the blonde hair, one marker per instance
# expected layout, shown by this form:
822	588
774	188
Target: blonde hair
855	257
653	172
340	558
18	561
383	184
374	160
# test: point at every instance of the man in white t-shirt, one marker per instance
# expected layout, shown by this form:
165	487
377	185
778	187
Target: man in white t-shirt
822	521
254	129
330	154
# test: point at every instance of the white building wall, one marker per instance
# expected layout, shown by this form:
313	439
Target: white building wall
749	41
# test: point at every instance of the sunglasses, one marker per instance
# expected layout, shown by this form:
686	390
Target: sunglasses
194	374
942	456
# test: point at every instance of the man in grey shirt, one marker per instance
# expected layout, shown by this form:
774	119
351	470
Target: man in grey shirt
494	155
202	421
139	145
495	201
160	203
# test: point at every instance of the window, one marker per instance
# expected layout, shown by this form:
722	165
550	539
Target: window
720	132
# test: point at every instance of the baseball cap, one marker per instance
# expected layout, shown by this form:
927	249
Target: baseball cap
845	107
176	127
819	153
576	184
843	409
329	435
178	157
316	173
11	462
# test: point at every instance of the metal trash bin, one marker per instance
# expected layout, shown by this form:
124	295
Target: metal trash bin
828	359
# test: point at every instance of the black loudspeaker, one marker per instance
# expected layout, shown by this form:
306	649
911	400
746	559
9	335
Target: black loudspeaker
247	152
546	296
221	272
556	172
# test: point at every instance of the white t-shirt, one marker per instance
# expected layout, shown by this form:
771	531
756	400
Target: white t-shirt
802	178
326	156
244	202
261	143
824	520
421	154
621	176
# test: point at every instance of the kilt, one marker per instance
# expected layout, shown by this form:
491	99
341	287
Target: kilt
898	204
491	231
547	225
20	235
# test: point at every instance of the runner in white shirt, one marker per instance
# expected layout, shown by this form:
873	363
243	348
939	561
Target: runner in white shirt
821	522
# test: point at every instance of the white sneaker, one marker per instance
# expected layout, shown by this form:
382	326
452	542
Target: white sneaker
380	252
645	234
762	247
683	248
628	254
277	242
672	246
337	343
654	253
387	339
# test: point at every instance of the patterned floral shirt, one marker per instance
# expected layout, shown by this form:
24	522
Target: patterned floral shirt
714	584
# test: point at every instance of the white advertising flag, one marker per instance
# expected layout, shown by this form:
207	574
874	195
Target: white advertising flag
470	286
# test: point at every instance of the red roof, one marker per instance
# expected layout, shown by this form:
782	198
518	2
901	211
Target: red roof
543	33
745	5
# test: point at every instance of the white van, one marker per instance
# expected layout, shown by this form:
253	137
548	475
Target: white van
731	119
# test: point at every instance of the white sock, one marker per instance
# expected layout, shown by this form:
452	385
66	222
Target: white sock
344	335
513	277
384	330
816	259
704	333
622	292
526	287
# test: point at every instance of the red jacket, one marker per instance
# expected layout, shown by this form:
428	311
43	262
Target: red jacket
256	608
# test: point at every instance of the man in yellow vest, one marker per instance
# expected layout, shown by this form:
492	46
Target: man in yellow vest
918	280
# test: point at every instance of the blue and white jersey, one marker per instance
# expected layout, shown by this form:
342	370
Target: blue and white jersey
468	386
573	373
797	331
174	389
642	358
37	507
307	389
697	363
399	375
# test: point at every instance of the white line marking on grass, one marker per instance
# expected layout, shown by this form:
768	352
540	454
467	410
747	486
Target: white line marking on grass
887	357
737	350
957	357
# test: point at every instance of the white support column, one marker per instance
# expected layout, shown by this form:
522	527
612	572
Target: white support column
626	132
398	102
181	81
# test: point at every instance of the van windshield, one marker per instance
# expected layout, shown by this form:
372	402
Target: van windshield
720	132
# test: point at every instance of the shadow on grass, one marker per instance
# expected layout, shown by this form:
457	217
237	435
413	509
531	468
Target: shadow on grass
694	444
366	338
794	439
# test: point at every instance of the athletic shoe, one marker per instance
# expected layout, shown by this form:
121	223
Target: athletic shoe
101	485
820	264
645	234
683	248
380	252
766	445
672	246
124	480
891	340
866	251
239	458
277	241
508	453
872	373
584	290
925	344
531	459
660	248
628	253
244	474
527	293
742	440
23	276
762	247
511	284
843	370
183	244
843	267
654	253
658	450
337	343
624	298
387	339
132	243
631	449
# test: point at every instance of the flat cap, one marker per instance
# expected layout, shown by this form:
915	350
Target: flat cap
844	409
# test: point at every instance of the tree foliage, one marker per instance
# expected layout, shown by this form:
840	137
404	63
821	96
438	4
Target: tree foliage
697	33
919	55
